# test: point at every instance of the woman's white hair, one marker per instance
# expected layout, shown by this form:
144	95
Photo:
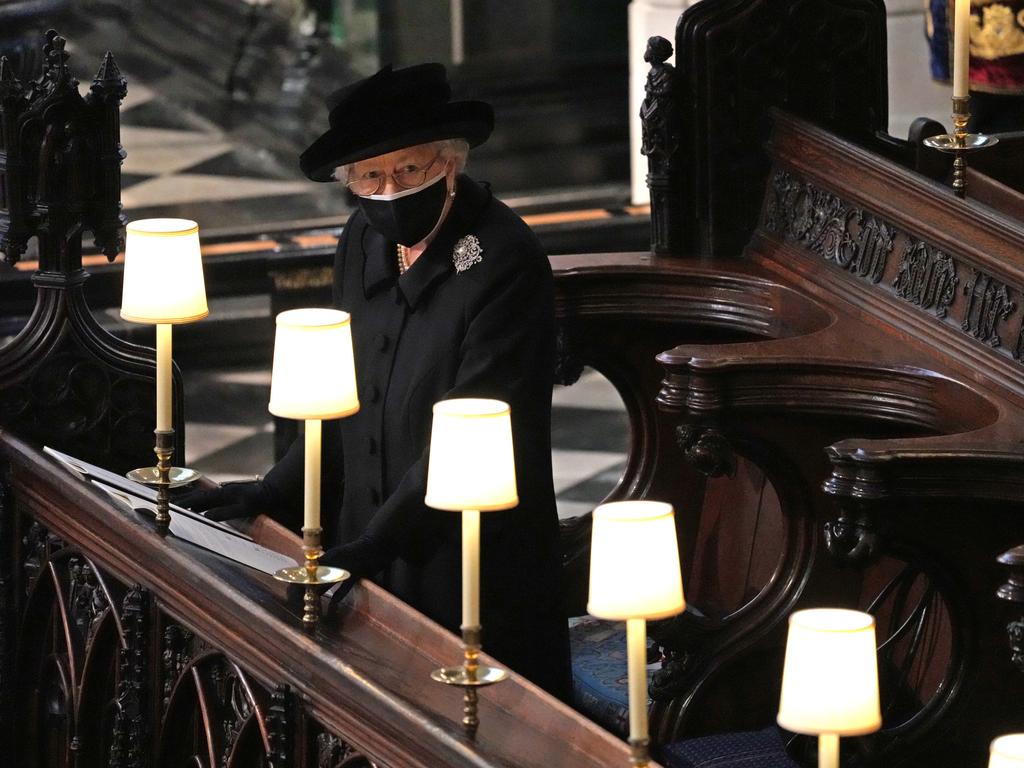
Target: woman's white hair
454	149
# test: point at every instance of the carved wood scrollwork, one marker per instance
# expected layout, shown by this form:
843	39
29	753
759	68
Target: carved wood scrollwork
129	741
333	752
707	450
853	537
659	126
279	728
568	365
174	658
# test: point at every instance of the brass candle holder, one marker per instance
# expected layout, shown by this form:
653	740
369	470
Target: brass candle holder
312	575
470	676
164	450
640	752
959	143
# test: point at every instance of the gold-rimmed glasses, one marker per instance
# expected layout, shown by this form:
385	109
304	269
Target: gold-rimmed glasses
373	182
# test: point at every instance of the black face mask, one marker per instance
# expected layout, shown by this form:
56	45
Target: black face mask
408	216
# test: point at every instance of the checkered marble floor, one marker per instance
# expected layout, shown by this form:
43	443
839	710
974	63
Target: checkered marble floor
230	434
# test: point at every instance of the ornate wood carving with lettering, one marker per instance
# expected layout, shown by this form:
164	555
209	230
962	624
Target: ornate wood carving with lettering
988	303
861	242
927	278
826	225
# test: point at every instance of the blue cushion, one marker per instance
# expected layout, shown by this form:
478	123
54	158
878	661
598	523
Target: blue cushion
747	749
600	680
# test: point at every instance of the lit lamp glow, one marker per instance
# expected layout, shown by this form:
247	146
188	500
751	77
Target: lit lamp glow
163	286
313	379
830	678
635	576
471	470
1007	751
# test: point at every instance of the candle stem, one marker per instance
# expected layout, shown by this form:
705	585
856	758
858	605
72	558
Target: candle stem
311	498
471	568
636	655
163	377
828	750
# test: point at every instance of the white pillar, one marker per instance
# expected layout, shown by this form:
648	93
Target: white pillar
646	18
912	92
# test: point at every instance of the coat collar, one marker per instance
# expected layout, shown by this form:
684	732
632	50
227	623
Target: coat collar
434	264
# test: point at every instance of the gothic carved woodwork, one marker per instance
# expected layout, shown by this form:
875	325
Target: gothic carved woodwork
64	380
736	60
1012	591
925	275
129	747
708	450
659	122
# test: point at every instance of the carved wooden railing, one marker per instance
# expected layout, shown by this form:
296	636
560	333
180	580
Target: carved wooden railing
122	648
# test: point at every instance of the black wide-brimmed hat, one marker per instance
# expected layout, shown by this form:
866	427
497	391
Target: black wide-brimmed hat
392	109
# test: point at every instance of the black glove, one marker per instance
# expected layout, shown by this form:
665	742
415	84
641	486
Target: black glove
237	499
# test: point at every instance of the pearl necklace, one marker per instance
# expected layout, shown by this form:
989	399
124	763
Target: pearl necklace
403	259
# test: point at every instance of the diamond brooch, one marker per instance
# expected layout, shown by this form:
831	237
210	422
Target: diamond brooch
466	253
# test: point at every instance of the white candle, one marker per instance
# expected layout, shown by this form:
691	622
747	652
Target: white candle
163	377
636	660
311	500
471	568
961	48
828	750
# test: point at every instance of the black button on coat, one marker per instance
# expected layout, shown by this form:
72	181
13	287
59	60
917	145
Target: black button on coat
431	334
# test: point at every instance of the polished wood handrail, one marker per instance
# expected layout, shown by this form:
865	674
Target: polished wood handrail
364	674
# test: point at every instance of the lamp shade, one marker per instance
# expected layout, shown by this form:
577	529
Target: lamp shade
830	677
634	562
314	374
472	461
1007	751
163	272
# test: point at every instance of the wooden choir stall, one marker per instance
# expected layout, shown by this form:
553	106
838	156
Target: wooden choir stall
822	360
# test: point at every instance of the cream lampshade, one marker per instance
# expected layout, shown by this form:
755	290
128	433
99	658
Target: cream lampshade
472	463
163	272
635	576
313	378
1007	751
830	678
314	371
634	562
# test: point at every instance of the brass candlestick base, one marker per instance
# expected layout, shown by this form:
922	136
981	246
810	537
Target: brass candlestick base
164	450
470	676
639	752
312	575
959	143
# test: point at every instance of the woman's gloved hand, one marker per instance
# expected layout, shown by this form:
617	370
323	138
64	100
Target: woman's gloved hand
236	499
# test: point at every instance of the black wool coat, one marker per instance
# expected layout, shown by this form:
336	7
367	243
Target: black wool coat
431	334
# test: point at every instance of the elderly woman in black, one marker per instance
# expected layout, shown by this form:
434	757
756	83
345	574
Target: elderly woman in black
450	296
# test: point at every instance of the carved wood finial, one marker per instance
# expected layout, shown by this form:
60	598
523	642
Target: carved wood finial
57	58
9	84
108	80
660	141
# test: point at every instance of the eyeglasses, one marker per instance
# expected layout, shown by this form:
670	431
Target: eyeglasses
373	182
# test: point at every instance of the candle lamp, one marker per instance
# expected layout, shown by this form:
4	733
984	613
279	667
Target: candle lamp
830	678
1007	751
960	142
635	576
163	286
313	378
471	469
